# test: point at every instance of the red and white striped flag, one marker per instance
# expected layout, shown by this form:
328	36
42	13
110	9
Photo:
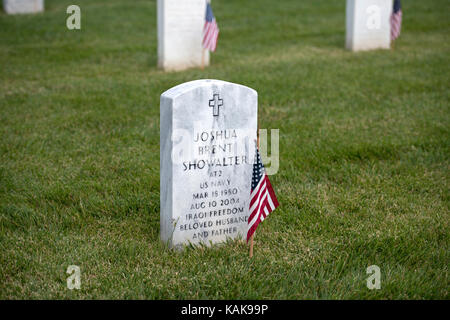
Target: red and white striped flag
210	30
262	198
396	20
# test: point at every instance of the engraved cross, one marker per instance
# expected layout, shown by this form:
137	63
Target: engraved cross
215	103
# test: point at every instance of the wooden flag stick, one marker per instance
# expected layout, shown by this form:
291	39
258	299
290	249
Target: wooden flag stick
251	245
203	59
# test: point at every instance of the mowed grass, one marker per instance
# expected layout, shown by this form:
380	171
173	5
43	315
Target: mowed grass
364	155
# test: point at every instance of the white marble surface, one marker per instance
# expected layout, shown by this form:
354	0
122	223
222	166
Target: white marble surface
206	155
368	24
23	6
180	34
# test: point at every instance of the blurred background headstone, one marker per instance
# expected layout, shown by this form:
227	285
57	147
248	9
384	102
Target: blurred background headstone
23	6
180	34
368	24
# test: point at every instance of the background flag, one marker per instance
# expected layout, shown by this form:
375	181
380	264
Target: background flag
262	198
210	30
396	20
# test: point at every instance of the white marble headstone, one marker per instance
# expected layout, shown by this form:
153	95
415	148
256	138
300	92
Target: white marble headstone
23	6
207	140
180	34
368	24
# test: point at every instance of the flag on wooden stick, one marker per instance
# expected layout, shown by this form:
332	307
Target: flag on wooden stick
210	30
262	198
396	20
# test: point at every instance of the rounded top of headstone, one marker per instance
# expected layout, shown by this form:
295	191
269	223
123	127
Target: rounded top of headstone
192	85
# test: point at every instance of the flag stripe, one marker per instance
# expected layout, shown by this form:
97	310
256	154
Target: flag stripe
271	204
257	202
272	194
208	39
396	20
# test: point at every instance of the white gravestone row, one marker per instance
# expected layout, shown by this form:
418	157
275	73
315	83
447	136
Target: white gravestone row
180	30
23	6
368	24
207	140
180	34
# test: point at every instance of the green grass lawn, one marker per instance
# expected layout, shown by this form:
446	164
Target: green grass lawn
364	155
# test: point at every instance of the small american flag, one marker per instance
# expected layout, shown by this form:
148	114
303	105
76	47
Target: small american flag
262	197
210	30
396	20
